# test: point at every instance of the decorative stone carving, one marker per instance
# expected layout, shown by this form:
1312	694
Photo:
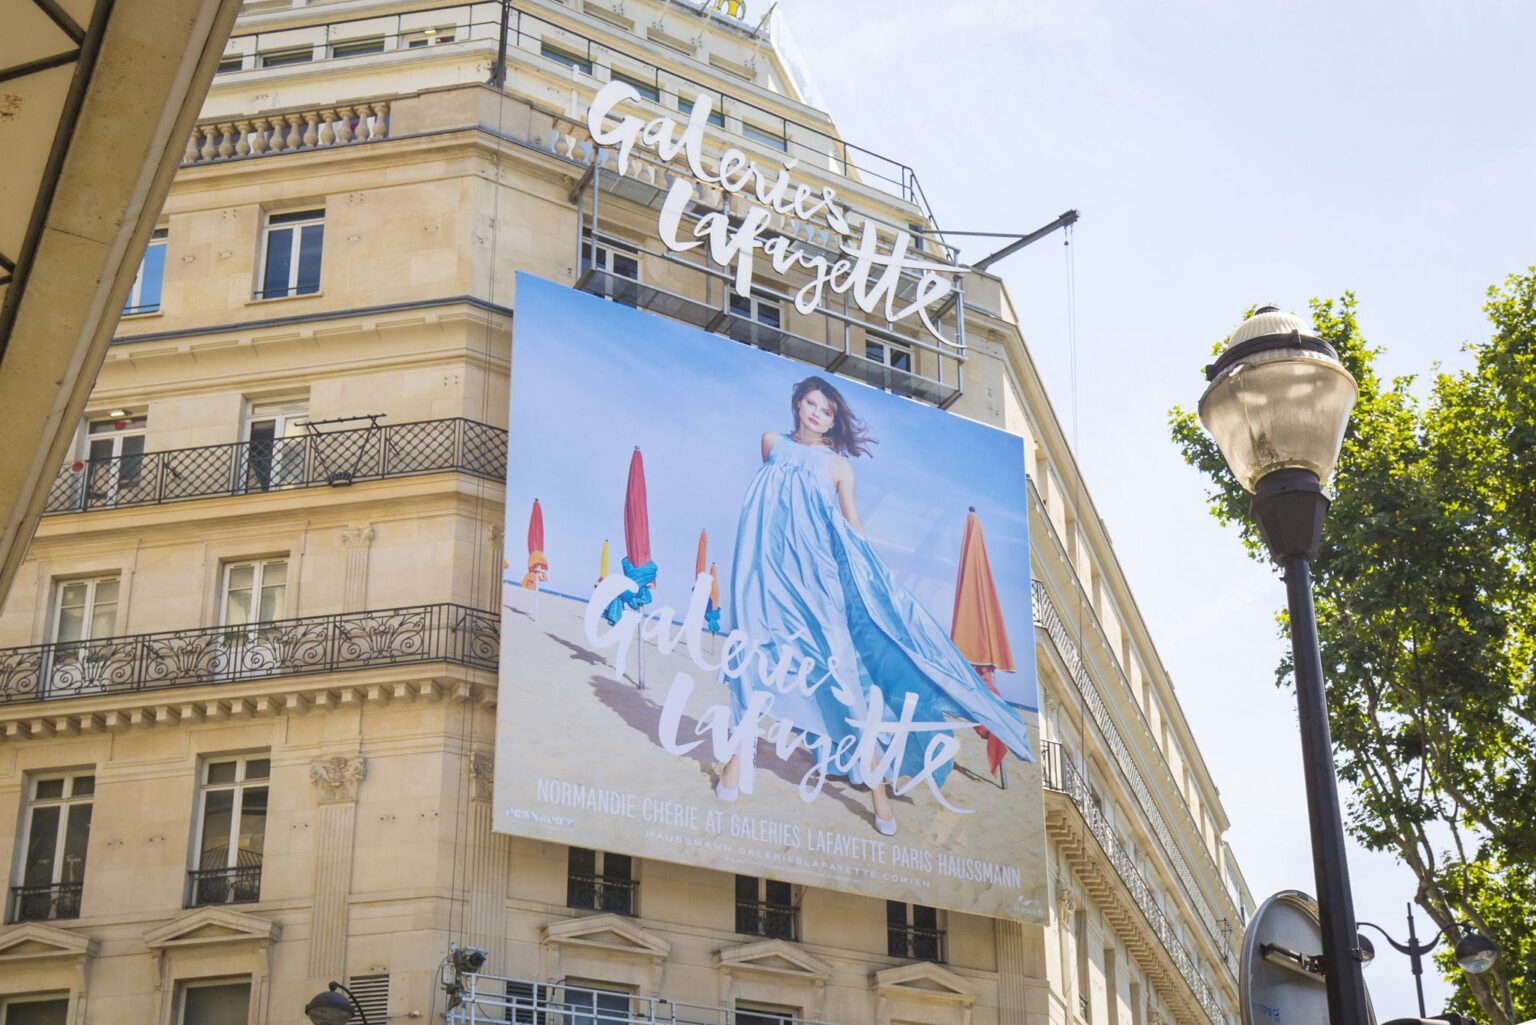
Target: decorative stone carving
1067	900
482	772
338	776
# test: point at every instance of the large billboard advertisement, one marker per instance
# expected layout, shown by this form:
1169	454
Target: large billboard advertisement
767	620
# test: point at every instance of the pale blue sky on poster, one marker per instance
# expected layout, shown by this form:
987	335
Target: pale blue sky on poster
593	379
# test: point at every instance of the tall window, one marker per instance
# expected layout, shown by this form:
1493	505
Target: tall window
85	610
56	832
254	591
114	459
601	881
214	1003
290	259
888	351
232	827
25	1010
144	296
765	907
595	1006
610	256
759	309
912	931
274	453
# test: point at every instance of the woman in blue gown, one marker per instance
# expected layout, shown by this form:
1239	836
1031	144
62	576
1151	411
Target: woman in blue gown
807	586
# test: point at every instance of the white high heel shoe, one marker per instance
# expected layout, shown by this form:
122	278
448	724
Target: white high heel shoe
725	793
885	827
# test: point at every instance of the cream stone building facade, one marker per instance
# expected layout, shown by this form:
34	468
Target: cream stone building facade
247	671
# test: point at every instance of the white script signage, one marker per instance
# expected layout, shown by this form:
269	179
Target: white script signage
871	278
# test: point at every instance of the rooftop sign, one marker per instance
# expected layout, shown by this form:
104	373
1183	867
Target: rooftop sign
859	267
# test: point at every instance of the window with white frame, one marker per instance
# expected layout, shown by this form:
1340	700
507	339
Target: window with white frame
290	257
114	458
608	255
56	833
230	62
254	591
214	1002
585	1005
888	351
758	308
25	1009
282	58
144	296
274	443
85	609
231	830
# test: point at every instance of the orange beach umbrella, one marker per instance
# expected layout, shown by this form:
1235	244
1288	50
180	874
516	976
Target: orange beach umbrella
978	629
637	521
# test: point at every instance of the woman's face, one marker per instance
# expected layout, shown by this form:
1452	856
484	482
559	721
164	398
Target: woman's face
816	412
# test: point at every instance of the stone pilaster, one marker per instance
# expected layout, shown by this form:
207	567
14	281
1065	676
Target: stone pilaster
336	779
355	541
489	866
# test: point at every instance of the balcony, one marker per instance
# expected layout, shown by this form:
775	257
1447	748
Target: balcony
759	918
330	459
494	1000
1061	777
602	893
237	884
258	651
915	943
45	903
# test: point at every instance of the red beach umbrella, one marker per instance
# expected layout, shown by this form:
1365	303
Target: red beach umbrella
637	521
978	629
538	565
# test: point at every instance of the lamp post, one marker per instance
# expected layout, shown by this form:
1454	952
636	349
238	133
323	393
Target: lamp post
1474	952
331	1008
1277	405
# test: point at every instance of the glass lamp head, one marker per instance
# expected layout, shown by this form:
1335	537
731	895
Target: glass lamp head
1278	399
1476	953
329	1008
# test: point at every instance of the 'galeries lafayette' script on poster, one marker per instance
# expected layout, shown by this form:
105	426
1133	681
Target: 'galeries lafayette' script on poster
871	277
872	730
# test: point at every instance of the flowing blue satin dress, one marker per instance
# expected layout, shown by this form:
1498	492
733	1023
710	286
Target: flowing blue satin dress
804	579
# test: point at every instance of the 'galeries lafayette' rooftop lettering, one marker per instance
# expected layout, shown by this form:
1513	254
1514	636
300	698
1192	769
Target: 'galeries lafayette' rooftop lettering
769	193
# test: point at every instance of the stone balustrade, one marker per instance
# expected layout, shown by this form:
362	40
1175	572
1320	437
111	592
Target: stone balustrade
286	131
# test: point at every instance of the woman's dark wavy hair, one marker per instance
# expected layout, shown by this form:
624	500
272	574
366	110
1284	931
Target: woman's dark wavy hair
848	436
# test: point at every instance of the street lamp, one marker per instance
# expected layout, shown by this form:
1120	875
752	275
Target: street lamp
1277	405
1474	952
331	1008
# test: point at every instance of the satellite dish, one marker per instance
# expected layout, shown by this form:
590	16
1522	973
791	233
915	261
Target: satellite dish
1280	978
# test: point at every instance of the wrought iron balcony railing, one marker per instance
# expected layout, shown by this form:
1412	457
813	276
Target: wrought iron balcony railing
1061	776
238	885
916	942
775	921
328	459
602	893
45	903
257	651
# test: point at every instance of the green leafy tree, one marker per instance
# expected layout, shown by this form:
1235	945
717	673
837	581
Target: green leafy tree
1426	606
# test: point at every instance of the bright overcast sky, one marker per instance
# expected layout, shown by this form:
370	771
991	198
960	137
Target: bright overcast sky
1221	154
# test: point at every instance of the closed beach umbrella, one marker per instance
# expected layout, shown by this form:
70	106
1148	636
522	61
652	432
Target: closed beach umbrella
602	563
637	564
712	610
978	629
538	566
